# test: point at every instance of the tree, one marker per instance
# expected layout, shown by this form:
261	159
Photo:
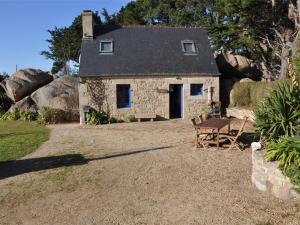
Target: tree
268	36
263	35
64	46
171	12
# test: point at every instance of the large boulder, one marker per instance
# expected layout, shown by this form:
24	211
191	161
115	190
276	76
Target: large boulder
24	105
238	66
24	82
62	93
246	80
240	113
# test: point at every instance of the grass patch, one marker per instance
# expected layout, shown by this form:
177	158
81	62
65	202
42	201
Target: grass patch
264	223
19	138
39	186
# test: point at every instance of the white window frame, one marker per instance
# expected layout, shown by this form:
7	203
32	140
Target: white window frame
106	52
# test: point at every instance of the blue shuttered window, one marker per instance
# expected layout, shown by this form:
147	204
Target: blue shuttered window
123	96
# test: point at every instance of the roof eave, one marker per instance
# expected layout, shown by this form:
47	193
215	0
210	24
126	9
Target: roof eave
150	75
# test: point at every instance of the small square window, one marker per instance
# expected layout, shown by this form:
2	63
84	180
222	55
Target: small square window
188	47
106	46
123	96
196	89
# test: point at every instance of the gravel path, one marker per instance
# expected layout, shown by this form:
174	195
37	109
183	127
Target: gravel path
137	173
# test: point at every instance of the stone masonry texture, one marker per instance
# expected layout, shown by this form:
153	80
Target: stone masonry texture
148	95
268	178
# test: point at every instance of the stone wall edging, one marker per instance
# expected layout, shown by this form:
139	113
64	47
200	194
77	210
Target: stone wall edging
267	177
240	113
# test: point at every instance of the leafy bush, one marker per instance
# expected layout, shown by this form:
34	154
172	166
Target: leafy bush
241	94
293	172
131	118
5	102
251	93
286	151
51	115
28	116
112	120
96	118
296	62
1	114
259	90
15	115
279	113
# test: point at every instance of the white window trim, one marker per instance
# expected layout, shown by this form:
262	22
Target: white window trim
106	52
193	45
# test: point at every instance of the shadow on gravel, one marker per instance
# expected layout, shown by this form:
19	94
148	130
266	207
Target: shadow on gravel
17	167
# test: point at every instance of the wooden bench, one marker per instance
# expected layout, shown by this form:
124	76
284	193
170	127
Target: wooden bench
140	116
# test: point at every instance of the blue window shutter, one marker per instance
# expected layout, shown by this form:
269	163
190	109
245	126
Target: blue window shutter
129	97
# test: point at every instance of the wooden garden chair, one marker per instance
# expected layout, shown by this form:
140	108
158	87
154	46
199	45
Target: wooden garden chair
233	136
201	118
198	134
216	111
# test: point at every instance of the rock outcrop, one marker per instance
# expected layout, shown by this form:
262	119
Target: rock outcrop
24	82
240	113
238	66
267	177
62	93
25	105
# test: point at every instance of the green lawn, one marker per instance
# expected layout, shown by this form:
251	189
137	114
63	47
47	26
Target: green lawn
18	138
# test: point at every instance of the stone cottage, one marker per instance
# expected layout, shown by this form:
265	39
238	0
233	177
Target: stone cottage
169	72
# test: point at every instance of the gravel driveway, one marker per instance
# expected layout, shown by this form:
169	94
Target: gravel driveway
137	173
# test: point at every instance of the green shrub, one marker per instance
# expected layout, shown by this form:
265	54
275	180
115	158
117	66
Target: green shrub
51	115
241	94
5	102
259	90
251	93
131	118
96	118
28	116
296	62
286	150
279	113
1	114
293	172
14	115
112	120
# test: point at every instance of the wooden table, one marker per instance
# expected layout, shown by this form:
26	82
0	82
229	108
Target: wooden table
210	129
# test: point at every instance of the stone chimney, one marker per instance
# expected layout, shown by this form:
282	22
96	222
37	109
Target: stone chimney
88	24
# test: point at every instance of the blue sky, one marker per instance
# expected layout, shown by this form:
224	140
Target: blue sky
24	25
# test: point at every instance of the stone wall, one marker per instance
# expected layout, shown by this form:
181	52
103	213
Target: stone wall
240	113
148	95
268	178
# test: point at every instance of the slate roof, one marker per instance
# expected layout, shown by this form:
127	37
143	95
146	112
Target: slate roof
146	50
